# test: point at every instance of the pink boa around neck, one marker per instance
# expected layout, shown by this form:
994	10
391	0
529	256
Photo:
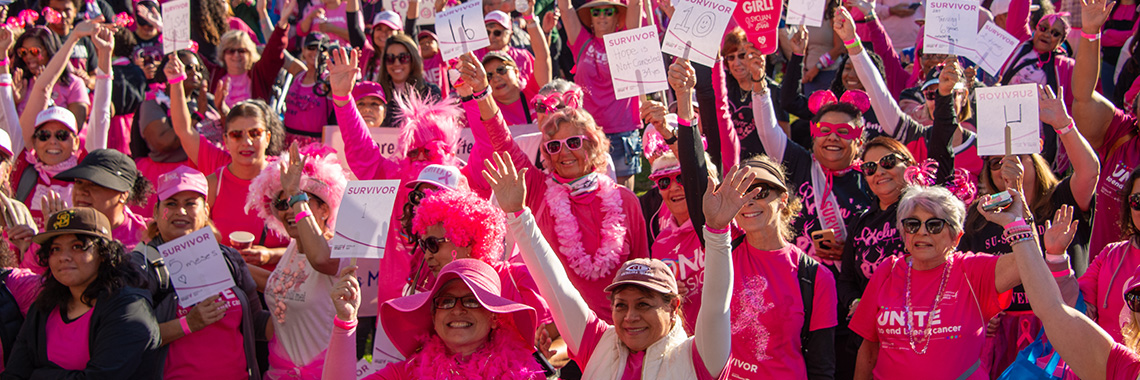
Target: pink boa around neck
502	358
591	266
322	176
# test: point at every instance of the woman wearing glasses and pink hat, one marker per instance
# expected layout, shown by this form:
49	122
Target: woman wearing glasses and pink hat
462	328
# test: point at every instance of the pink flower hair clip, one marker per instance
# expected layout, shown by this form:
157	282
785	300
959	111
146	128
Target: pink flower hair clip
549	103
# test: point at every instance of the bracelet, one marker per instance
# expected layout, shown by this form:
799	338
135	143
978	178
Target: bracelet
1062	273
301	216
1019	222
481	94
826	59
339	98
518	213
671	140
345	325
5	84
4	62
684	123
1014	239
717	231
1067	129
299	197
528	17
185	326
1090	37
853	44
179	78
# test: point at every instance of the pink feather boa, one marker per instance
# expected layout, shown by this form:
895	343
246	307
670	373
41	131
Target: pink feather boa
502	358
598	265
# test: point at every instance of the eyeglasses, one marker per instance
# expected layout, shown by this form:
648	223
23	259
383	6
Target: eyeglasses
449	302
34	51
253	133
598	12
572	142
236	51
663	183
765	190
843	130
431	244
402	57
1133	301
495	33
1134	201
731	57
888	162
1046	29
62	136
501	70
933	225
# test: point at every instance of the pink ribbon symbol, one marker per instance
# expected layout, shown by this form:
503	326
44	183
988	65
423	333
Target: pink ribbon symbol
446	179
1024	335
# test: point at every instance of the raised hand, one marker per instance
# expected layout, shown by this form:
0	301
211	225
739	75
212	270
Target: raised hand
950	75
843	24
667	7
1052	107
507	182
473	74
52	203
756	64
205	313
343	70
220	95
1006	215
291	171
7	39
1059	232
104	40
174	67
799	40
1012	172
1094	13
550	20
682	77
84	29
346	294
653	112
723	203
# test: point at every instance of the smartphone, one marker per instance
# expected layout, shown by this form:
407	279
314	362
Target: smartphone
997	201
915	5
823	236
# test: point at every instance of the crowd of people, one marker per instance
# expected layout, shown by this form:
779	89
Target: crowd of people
821	212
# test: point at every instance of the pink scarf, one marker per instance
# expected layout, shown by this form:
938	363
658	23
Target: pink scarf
48	171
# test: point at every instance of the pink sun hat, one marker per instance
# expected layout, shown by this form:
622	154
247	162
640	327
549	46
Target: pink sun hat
408	320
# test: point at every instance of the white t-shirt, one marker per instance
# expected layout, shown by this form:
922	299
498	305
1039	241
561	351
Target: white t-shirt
303	327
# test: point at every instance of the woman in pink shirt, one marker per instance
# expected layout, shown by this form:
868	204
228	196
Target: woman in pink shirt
307	103
1114	266
245	73
35	48
464	327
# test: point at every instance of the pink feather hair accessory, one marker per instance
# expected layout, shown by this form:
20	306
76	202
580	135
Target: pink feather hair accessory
322	176
425	122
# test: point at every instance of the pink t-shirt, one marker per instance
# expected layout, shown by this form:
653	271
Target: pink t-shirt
1115	168
521	111
1123	364
239	89
1104	283
151	170
433	72
593	73
680	248
592	336
24	286
228	210
958	325
304	110
768	312
132	231
217	351
67	341
61	94
337	17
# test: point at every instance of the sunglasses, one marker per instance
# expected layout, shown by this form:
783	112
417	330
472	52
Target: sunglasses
1133	301
501	70
283	204
765	190
402	57
495	33
415	196
60	135
253	133
933	225
888	162
236	51
546	108
28	51
995	163
731	57
449	302
663	183
1046	29
598	12
843	130
1134	201
313	47
431	244
572	142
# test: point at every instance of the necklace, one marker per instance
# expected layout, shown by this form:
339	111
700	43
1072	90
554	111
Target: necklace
607	257
913	336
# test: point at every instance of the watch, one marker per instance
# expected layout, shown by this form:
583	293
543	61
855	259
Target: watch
671	140
300	197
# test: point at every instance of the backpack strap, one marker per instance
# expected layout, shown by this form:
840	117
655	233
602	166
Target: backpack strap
806	272
156	265
28	180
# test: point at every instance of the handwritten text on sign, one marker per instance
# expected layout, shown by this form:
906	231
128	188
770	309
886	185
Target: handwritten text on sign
993	48
427	10
761	21
196	265
806	12
951	27
363	218
700	25
461	29
636	65
176	26
1015	106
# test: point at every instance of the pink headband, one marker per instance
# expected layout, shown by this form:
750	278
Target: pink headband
572	98
822	98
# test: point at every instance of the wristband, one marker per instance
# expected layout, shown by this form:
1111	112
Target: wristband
481	94
1090	37
338	98
671	140
519	213
717	231
1019	222
349	325
185	326
179	78
854	43
301	216
1062	273
826	60
300	197
5	84
111	76
1056	259
684	123
528	17
4	62
1067	129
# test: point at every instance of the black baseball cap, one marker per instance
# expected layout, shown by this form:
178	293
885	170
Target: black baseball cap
109	168
79	220
315	38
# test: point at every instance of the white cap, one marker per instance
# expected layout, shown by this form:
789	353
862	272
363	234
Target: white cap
498	17
444	176
57	113
389	18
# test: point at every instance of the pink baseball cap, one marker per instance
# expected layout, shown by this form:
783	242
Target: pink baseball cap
181	179
60	114
389	18
366	88
499	17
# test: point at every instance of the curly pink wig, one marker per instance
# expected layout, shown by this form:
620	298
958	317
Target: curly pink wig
322	176
469	221
428	124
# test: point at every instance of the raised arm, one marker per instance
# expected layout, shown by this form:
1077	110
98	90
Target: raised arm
1093	110
340	359
632	14
771	135
9	118
694	168
570	21
310	231
885	106
361	152
569	309
104	42
41	91
356	35
939	145
729	140
179	111
541	47
793	101
1086	165
876	35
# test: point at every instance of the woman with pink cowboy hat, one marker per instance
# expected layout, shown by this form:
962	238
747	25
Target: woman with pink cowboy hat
462	328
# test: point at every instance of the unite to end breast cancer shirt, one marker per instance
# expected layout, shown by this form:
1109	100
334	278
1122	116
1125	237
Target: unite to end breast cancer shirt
216	351
680	248
957	325
768	313
1116	165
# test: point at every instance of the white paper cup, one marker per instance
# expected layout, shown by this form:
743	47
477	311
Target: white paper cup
241	239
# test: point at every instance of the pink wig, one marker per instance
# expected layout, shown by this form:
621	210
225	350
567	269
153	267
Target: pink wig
428	124
469	221
322	176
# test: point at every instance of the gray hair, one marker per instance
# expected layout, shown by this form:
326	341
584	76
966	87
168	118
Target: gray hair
936	200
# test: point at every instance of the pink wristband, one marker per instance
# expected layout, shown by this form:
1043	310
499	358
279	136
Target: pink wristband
342	324
717	231
1067	129
1017	223
518	213
684	122
852	41
5	84
185	326
341	98
179	78
528	17
301	216
1090	37
4	62
109	76
1062	273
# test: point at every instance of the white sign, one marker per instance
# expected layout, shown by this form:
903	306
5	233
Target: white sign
636	65
698	25
175	26
806	12
1015	106
993	48
951	27
365	369
461	29
427	10
383	351
363	217
196	265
